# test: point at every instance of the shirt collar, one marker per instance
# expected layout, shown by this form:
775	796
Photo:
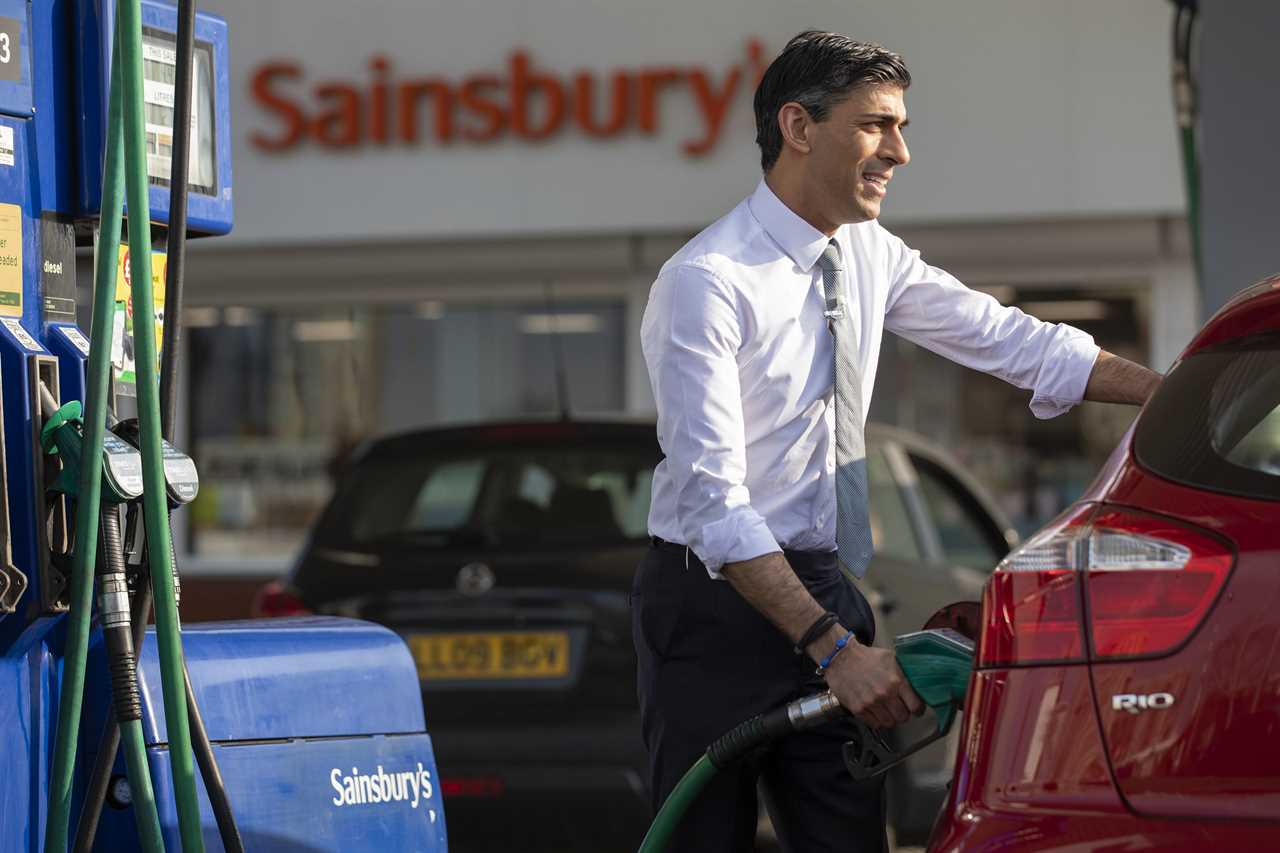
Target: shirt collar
801	241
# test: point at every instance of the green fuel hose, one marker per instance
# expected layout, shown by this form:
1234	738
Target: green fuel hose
728	750
155	506
101	328
676	804
113	611
936	663
97	386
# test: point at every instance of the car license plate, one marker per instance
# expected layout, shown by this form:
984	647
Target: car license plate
496	655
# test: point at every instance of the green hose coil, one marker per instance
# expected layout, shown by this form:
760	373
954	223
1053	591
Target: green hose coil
676	804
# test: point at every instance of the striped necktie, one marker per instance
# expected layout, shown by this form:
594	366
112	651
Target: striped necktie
853	528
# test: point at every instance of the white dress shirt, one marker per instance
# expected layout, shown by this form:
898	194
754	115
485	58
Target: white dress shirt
740	361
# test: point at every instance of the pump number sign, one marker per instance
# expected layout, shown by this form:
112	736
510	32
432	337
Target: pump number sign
10	41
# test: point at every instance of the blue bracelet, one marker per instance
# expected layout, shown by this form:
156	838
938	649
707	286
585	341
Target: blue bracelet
840	644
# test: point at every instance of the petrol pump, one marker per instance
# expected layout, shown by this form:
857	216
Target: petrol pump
309	733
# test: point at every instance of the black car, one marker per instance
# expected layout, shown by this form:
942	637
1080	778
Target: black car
504	555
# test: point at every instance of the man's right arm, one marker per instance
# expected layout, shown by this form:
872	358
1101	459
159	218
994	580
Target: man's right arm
691	335
866	680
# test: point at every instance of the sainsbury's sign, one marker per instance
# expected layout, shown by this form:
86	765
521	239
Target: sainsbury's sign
523	100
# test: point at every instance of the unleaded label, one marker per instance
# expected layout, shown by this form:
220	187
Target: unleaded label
10	259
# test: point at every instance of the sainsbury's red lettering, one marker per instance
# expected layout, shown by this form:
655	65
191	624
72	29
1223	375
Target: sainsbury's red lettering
651	84
338	126
755	55
474	98
528	87
288	111
527	101
712	106
584	104
410	93
378	100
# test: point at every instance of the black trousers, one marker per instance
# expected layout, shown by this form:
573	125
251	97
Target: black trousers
707	660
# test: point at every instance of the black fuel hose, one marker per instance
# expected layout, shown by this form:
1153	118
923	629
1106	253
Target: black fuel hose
100	776
113	611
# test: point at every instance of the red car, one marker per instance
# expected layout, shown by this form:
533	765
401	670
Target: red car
1126	694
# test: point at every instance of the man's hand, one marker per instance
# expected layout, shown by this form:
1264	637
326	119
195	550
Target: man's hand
868	682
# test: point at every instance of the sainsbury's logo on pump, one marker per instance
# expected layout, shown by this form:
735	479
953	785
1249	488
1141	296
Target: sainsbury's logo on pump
522	101
409	786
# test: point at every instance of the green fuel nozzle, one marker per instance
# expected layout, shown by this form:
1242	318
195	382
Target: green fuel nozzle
63	435
937	663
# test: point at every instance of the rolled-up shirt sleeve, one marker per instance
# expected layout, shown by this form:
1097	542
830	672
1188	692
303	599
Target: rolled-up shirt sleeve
930	307
691	335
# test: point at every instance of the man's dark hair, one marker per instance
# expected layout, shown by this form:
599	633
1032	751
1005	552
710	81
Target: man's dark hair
818	70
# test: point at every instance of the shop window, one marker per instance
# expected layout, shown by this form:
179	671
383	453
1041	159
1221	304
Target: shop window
279	396
447	362
274	395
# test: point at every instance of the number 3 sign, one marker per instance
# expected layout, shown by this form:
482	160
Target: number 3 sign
10	58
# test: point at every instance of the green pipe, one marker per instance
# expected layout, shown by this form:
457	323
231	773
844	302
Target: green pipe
143	796
155	505
676	804
97	389
97	378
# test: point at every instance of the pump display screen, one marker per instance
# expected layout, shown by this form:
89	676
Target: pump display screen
160	59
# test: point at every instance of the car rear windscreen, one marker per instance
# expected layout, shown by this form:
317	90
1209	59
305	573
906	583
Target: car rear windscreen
1215	421
496	497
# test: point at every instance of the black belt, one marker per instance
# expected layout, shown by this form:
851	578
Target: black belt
659	542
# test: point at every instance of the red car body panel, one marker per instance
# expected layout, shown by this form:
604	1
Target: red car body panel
1050	760
1216	753
1012	752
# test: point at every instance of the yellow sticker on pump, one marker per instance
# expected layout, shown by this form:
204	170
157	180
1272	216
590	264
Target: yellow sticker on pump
10	260
122	338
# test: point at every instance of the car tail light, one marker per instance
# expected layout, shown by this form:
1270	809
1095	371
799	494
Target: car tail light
1031	607
275	599
1144	582
1151	582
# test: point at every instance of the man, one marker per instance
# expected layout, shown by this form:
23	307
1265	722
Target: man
745	329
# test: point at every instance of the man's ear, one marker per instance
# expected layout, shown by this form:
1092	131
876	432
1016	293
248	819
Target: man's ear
796	126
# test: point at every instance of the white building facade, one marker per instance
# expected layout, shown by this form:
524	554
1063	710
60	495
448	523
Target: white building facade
428	195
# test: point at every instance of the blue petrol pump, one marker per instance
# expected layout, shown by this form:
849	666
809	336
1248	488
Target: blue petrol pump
309	733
